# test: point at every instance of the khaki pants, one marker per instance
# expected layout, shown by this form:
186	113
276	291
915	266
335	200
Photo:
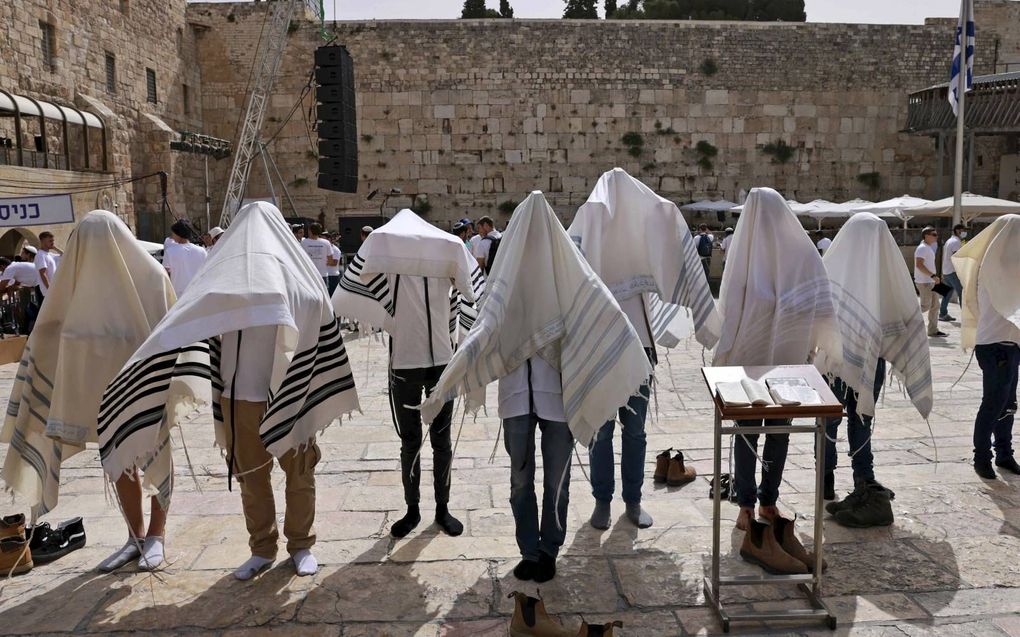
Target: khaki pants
257	488
930	304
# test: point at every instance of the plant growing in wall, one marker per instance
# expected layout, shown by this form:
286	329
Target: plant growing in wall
366	138
779	150
872	180
634	142
300	181
659	130
706	153
421	205
708	67
507	207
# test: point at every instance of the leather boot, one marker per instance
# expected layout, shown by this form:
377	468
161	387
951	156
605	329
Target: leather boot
15	557
662	466
787	539
12	526
598	630
531	619
761	547
679	473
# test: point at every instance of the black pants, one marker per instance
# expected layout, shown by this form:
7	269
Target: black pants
406	388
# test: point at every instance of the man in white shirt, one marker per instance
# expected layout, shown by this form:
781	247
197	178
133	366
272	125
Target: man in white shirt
23	275
332	265
822	242
182	258
724	245
949	277
319	250
45	263
925	278
704	241
487	236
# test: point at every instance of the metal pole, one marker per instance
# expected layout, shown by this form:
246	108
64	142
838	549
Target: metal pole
717	505
961	91
265	167
940	191
970	162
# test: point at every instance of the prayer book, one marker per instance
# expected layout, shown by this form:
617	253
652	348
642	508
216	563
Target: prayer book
793	391
774	391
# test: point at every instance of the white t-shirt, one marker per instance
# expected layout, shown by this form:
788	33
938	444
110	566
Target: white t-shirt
255	365
334	270
22	273
724	245
927	253
823	244
183	261
318	250
634	308
992	327
951	247
45	261
410	333
546	391
473	242
481	249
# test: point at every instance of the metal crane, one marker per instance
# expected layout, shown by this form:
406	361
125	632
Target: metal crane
266	66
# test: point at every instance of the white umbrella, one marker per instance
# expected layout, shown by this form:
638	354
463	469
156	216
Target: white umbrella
829	210
973	206
794	206
708	205
895	207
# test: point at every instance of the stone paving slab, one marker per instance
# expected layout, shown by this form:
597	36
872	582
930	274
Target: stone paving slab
949	565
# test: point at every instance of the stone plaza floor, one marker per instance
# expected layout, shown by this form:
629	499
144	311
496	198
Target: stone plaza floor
950	565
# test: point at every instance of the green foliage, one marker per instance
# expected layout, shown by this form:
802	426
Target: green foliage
708	67
476	9
311	154
779	150
757	10
659	130
367	138
650	166
507	207
706	151
633	139
505	10
872	180
300	181
421	205
635	151
705	163
292	26
610	7
583	9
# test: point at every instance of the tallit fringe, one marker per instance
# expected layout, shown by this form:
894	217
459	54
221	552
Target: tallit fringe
965	369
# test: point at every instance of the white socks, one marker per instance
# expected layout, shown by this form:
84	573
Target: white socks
252	567
127	553
305	563
152	553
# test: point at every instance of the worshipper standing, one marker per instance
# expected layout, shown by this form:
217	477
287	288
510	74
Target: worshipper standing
989	269
462	231
488	243
105	304
182	258
629	236
705	242
299	232
777	309
724	245
365	231
47	259
214	235
320	251
880	323
23	274
256	338
413	300
925	278
544	306
333	266
822	242
949	276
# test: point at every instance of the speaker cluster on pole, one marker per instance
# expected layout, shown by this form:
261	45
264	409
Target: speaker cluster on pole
338	132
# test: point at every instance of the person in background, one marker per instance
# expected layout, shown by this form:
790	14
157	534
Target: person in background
488	233
333	268
365	231
298	230
45	262
182	259
949	276
319	250
822	242
22	274
705	241
214	235
724	245
925	278
462	231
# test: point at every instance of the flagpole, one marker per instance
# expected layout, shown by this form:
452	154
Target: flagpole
961	96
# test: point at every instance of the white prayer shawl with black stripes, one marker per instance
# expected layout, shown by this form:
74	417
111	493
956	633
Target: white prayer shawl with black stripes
105	301
775	298
990	261
639	243
257	276
878	314
542	298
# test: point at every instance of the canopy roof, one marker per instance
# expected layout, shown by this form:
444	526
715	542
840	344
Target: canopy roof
709	205
973	206
12	103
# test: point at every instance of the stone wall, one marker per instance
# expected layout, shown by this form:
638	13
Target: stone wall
472	114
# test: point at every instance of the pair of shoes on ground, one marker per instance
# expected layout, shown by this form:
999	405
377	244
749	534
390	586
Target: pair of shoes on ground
450	525
672	470
530	619
985	470
870	504
600	516
776	548
149	552
21	547
305	564
541	570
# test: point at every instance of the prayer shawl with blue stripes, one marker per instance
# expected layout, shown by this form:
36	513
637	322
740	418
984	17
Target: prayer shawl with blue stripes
878	315
639	243
542	298
257	276
105	301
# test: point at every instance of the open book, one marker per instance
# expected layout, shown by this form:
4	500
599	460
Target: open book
774	391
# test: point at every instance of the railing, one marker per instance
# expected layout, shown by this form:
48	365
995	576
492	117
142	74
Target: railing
993	106
18	311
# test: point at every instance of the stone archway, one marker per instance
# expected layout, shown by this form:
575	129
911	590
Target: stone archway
13	239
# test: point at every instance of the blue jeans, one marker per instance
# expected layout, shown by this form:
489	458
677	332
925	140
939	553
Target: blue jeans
999	363
858	429
952	280
557	443
632	459
745	463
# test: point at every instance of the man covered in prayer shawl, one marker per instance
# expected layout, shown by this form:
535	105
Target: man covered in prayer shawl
989	269
283	377
640	246
545	307
880	322
412	280
105	303
777	309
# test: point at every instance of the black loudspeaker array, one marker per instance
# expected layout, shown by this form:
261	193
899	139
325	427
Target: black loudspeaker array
338	132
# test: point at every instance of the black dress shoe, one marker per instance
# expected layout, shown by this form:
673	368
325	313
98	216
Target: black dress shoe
984	469
1009	464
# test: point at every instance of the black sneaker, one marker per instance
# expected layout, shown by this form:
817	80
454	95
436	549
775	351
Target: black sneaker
1009	464
851	500
946	318
67	537
938	334
872	507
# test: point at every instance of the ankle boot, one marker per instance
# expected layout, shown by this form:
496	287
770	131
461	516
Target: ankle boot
15	557
598	630
662	466
787	539
679	473
531	619
12	526
761	547
872	507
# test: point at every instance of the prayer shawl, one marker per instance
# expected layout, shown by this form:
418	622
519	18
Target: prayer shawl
109	295
990	260
775	297
639	243
876	307
408	245
258	276
542	298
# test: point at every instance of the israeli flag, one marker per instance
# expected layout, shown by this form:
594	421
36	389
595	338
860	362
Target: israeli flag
966	22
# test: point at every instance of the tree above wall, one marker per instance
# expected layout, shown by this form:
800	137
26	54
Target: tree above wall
477	9
757	10
583	9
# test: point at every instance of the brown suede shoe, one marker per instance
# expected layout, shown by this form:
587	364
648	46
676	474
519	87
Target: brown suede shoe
679	473
531	620
662	466
15	557
598	630
12	526
761	547
787	539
